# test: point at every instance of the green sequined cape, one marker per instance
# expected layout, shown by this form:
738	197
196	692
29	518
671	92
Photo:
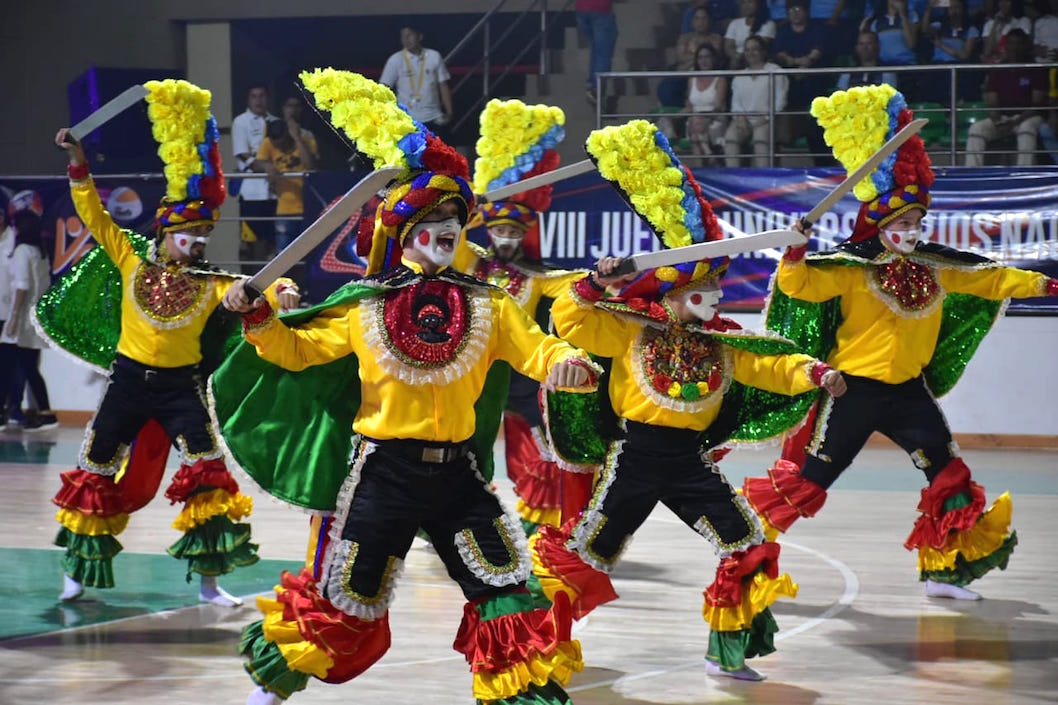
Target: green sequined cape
966	318
81	312
291	432
583	425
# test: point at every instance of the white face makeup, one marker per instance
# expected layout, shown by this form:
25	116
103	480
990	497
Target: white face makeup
506	240
437	240
702	302
900	241
190	245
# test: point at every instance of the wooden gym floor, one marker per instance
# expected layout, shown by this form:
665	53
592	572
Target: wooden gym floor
861	630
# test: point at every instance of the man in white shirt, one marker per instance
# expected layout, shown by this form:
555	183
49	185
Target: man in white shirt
255	198
419	78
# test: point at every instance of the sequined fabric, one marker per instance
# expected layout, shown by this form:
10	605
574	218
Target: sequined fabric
506	277
910	284
167	294
679	363
426	324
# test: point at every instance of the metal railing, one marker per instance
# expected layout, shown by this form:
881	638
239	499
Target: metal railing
956	113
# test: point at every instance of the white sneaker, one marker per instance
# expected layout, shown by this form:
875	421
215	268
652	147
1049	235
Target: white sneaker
71	589
743	674
938	589
260	696
216	595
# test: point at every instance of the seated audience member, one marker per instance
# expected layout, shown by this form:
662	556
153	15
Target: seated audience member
1044	31
1020	97
702	32
799	44
720	12
897	30
996	29
751	100
706	96
752	21
672	93
955	41
866	50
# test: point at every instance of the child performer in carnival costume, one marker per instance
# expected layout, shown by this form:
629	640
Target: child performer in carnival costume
377	388
142	308
675	363
901	318
517	142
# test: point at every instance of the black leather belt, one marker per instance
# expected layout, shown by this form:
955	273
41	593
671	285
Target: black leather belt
425	451
155	375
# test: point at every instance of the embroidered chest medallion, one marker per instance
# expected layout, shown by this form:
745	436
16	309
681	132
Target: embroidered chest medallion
431	331
907	287
506	277
680	369
168	296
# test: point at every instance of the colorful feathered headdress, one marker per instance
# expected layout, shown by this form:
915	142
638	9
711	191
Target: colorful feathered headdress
517	141
187	139
370	116
856	123
637	160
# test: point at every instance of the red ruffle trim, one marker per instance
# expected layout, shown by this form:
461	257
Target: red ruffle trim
576	493
354	644
501	643
933	527
784	496
726	590
204	473
89	493
536	480
593	587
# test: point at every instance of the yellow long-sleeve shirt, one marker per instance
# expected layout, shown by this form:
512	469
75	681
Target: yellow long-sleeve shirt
402	396
878	337
639	351
164	308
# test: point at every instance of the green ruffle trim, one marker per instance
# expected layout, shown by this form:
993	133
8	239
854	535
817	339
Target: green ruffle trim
540	599
957	501
216	547
731	649
266	665
89	559
503	605
548	694
965	572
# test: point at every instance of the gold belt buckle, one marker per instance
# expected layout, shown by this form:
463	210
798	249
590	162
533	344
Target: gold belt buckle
433	455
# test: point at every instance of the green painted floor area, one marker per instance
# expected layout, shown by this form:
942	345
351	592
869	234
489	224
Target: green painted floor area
146	584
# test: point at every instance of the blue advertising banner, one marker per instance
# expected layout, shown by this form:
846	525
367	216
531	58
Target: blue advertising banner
1008	215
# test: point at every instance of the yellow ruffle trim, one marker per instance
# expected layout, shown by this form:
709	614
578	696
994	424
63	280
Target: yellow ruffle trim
761	594
88	525
301	655
559	666
206	505
551	517
986	536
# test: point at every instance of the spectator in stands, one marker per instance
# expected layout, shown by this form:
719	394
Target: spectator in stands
596	21
997	27
799	44
1019	97
955	41
752	21
1044	32
287	148
721	12
672	93
30	275
7	350
706	96
256	200
751	99
837	16
866	50
420	79
897	31
702	32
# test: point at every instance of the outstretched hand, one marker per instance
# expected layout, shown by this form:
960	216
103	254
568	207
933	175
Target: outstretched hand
604	272
73	148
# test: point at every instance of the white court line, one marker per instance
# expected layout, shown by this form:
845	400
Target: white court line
852	587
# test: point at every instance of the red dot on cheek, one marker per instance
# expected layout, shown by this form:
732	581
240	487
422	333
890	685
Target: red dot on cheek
696	299
424	237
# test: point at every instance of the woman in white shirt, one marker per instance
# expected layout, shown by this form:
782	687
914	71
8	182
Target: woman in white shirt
752	21
30	275
706	96
750	96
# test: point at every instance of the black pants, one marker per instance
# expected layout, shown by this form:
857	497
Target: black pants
27	372
395	497
907	413
137	393
660	464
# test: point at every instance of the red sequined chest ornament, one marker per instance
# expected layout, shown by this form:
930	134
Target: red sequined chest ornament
500	274
166	294
426	324
911	284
